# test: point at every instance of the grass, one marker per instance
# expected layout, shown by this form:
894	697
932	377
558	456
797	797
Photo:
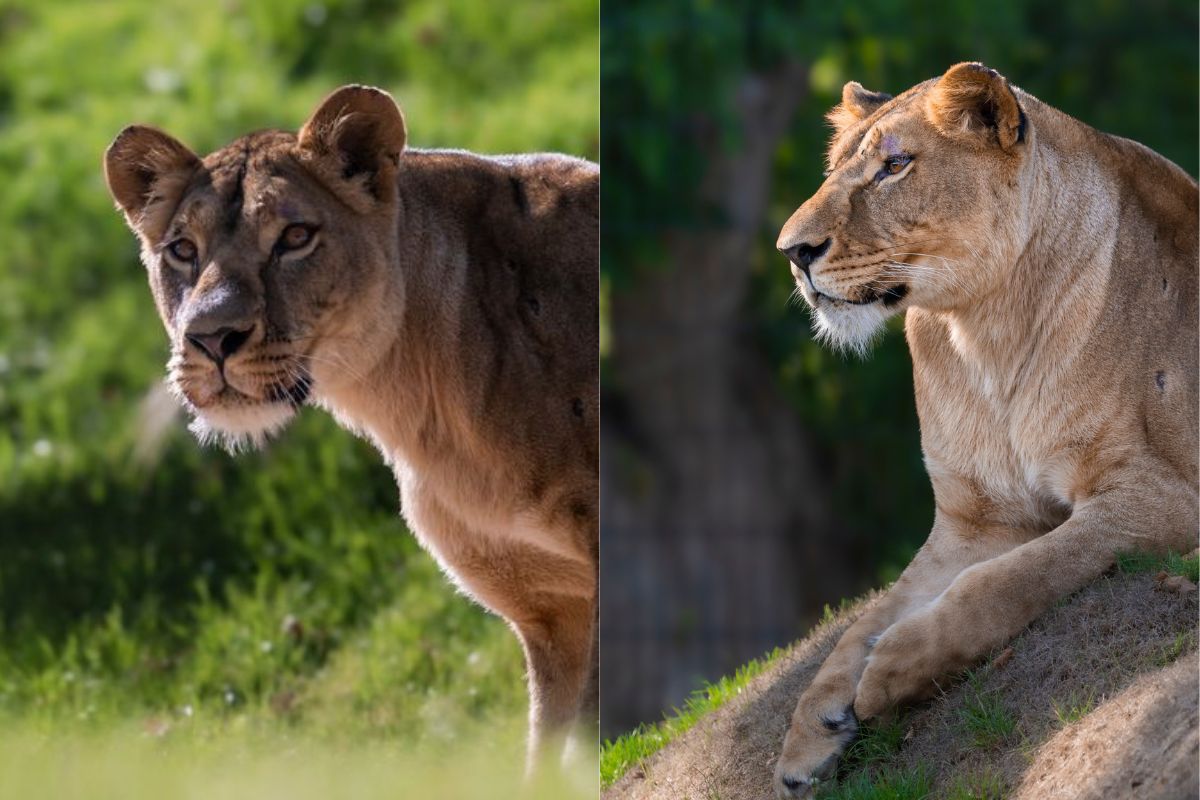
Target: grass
240	609
1173	564
618	756
1187	566
1182	642
1075	707
984	785
122	764
882	784
864	772
984	718
877	742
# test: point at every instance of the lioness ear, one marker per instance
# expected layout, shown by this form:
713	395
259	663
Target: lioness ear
139	167
974	100
857	104
362	130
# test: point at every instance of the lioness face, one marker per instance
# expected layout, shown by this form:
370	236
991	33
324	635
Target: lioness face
266	260
917	203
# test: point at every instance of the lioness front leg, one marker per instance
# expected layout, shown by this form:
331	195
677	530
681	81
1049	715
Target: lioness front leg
558	652
550	601
824	722
544	585
989	603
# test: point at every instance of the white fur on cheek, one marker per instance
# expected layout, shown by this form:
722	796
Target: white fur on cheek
241	427
849	327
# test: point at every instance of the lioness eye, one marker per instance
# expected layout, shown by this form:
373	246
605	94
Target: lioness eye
295	236
182	250
895	165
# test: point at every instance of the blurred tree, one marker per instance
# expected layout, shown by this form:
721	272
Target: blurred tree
705	463
730	514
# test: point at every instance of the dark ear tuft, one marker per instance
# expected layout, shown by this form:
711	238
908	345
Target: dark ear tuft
857	104
362	130
139	159
973	100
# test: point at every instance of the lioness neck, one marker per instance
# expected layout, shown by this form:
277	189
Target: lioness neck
414	400
489	379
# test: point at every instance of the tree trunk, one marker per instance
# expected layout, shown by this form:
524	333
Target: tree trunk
716	539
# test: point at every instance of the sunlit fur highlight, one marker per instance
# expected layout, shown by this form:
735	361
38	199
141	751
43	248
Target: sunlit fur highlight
852	329
240	429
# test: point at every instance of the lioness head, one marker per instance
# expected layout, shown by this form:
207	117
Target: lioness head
270	260
920	205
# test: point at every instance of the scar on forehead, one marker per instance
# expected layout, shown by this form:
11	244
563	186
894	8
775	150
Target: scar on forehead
888	144
289	210
267	203
198	212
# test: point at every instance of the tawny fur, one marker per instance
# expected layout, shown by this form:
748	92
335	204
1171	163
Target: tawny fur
445	309
1049	276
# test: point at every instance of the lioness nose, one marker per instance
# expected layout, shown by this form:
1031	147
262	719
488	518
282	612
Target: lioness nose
802	255
221	343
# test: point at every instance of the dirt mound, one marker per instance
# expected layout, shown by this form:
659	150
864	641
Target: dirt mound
1141	744
1098	698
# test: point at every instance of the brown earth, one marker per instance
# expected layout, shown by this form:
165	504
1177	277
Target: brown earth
1094	759
1126	645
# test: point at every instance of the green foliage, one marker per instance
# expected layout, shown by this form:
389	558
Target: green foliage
884	784
143	577
668	67
620	755
1172	563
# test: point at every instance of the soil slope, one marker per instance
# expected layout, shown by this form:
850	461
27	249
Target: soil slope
1101	693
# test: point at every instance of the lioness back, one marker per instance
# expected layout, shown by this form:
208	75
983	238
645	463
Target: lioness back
1154	316
526	232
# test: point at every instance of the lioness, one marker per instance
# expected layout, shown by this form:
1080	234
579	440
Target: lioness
439	303
1049	274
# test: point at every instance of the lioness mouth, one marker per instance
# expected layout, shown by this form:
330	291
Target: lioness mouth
295	393
894	294
890	296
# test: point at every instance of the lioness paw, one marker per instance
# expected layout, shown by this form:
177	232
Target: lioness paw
811	750
902	667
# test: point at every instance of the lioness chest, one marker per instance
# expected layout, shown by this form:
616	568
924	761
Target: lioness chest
496	540
1017	452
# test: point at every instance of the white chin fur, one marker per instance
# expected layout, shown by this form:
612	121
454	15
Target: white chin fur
240	428
849	327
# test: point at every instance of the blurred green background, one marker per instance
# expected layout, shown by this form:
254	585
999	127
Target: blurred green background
713	133
143	578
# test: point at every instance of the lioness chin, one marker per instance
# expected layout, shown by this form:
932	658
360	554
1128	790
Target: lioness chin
442	304
1049	277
